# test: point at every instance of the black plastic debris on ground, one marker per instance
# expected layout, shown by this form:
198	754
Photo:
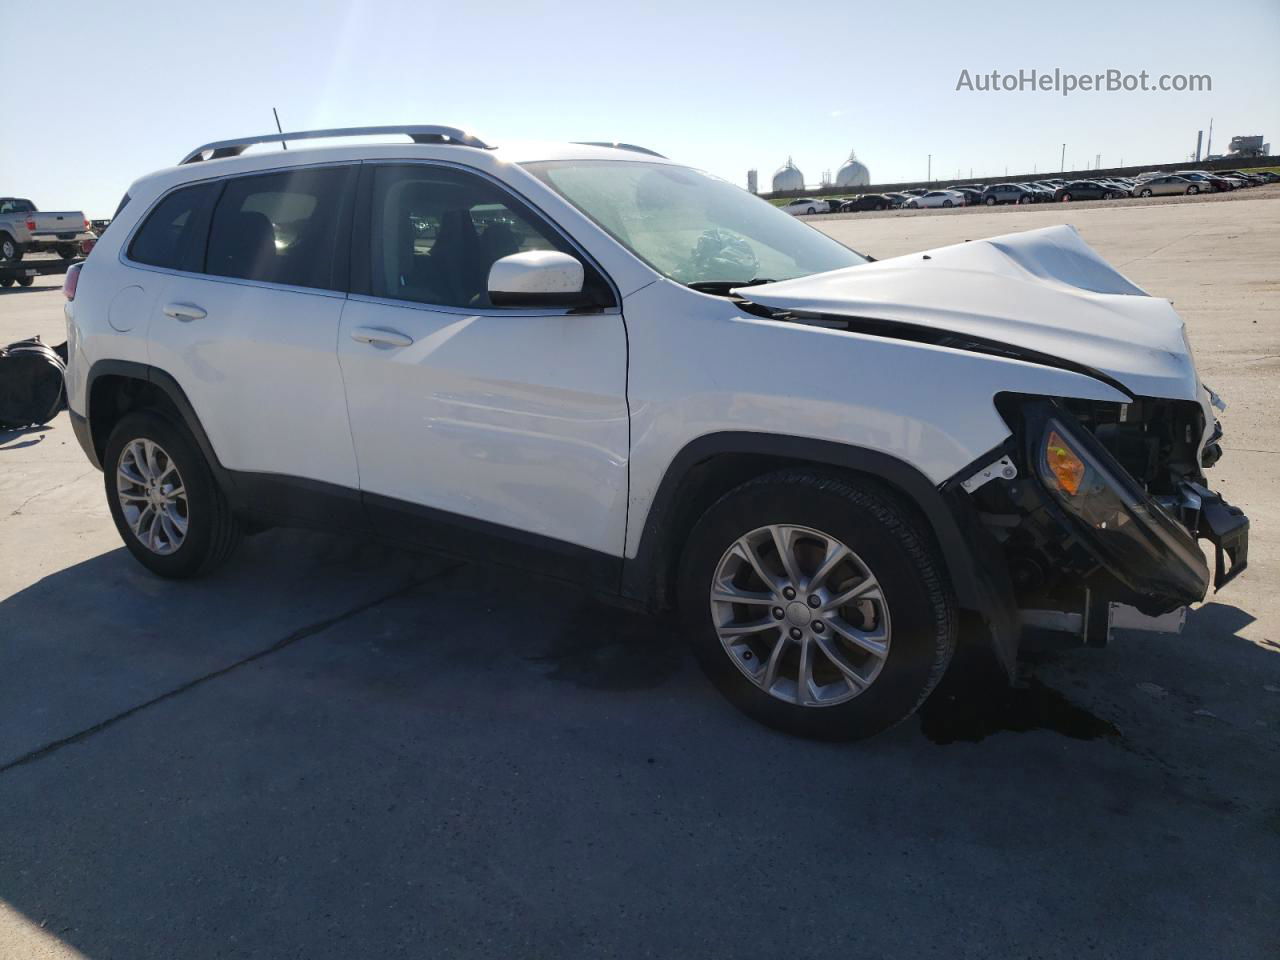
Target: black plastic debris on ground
32	384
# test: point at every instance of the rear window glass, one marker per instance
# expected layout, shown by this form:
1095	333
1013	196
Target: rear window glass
282	228
173	234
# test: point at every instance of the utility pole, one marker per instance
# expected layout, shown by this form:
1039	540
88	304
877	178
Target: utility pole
1208	149
1062	167
929	176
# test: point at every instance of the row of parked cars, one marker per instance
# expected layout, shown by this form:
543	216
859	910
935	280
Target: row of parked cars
1039	191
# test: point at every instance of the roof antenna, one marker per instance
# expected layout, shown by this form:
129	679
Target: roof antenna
279	128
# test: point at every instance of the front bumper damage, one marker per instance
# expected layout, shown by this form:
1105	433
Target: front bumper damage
1111	553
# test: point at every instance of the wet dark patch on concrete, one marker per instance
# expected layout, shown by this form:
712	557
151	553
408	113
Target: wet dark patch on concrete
605	648
967	712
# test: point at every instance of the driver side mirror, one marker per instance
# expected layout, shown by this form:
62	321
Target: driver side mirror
538	278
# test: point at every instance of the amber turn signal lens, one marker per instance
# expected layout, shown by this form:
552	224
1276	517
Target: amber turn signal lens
1066	467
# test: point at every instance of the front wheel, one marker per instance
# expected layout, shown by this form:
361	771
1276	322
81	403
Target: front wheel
164	499
10	249
26	281
1193	189
811	211
1144	193
817	604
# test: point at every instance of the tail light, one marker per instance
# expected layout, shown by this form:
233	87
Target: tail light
71	281
31	224
87	224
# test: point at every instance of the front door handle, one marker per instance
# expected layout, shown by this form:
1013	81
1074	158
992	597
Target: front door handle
390	338
186	312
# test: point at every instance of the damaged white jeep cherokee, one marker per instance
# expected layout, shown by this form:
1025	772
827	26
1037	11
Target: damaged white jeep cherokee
598	365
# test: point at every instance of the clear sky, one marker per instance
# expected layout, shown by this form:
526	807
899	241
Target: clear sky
103	91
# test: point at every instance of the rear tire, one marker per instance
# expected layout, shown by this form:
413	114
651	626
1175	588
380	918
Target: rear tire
990	201
6	282
67	251
947	203
26	281
910	606
209	530
1193	189
1144	193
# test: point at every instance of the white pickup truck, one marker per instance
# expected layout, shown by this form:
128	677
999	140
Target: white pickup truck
24	229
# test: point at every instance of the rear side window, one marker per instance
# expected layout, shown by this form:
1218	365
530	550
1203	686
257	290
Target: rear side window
290	227
173	234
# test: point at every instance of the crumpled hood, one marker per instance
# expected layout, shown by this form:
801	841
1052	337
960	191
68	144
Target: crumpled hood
1044	290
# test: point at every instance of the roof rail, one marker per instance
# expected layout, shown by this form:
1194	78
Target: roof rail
418	133
619	146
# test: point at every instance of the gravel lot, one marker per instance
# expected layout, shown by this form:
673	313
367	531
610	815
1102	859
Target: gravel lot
330	749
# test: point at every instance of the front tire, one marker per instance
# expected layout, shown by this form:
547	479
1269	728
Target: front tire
868	621
1193	189
163	497
10	249
1144	193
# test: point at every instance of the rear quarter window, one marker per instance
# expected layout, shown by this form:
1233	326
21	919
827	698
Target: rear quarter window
172	236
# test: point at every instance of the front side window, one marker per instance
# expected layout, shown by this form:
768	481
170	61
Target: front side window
173	234
284	227
692	227
435	232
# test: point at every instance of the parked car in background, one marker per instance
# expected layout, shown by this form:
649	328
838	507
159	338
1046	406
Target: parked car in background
971	196
1039	194
256	342
1207	182
24	229
1249	179
1006	193
898	199
1086	190
805	205
1166	185
869	201
936	198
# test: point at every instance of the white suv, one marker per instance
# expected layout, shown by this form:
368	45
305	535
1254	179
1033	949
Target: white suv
595	364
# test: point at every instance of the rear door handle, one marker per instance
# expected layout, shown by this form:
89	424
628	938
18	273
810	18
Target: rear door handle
186	312
391	338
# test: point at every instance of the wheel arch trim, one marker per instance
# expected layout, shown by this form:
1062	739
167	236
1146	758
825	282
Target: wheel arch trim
644	576
165	382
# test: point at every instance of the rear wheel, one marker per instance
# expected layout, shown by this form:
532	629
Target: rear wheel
990	201
164	499
947	203
817	604
6	282
811	211
66	251
1144	193
26	281
1193	189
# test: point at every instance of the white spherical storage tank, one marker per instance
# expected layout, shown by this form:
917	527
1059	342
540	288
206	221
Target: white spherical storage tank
788	177
853	173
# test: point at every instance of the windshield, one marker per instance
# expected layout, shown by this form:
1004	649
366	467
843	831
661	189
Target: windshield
692	227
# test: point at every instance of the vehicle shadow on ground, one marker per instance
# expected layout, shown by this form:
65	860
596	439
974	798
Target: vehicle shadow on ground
353	751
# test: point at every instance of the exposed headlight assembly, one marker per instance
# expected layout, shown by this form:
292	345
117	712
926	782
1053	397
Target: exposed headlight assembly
1140	543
